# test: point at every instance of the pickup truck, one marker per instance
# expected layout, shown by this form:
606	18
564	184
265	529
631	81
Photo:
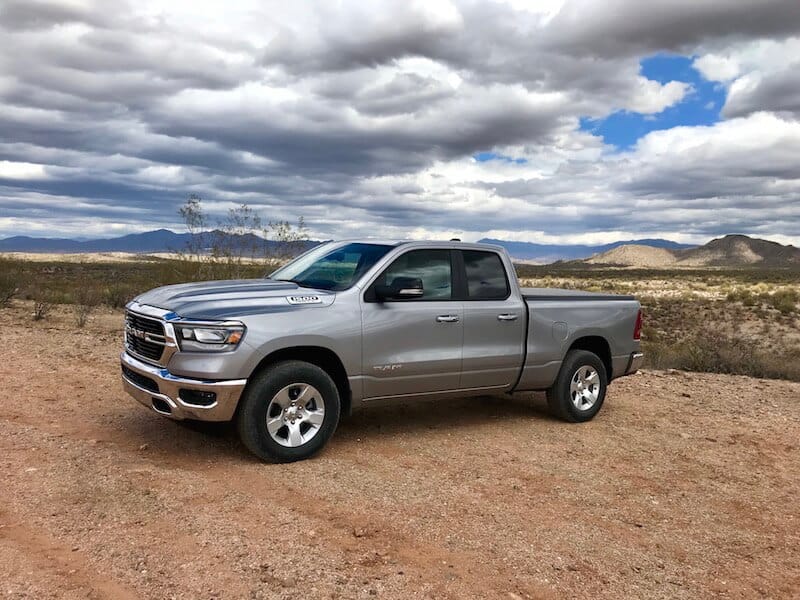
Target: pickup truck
358	323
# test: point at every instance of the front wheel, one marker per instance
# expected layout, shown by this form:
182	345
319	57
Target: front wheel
288	411
580	388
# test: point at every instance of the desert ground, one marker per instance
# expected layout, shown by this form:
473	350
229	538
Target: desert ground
684	486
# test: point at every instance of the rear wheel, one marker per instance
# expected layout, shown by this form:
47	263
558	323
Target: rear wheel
580	388
288	411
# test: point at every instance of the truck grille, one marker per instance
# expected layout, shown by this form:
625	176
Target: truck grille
144	336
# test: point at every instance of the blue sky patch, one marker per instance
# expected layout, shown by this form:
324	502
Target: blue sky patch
487	156
701	106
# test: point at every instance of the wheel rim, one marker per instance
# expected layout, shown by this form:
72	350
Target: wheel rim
295	415
584	387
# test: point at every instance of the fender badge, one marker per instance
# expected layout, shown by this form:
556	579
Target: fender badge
304	299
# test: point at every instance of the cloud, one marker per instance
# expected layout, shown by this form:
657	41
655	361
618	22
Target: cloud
763	75
365	117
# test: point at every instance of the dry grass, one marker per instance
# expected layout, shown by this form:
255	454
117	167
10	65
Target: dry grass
744	322
727	321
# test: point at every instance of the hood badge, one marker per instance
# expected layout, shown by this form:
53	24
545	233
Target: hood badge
304	299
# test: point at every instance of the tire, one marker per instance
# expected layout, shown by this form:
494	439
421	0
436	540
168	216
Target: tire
302	404
580	388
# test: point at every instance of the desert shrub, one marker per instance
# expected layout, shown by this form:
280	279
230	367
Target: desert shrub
712	352
784	301
86	299
744	296
117	295
41	308
9	286
82	312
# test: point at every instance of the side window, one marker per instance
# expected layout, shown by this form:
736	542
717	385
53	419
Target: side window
430	266
486	276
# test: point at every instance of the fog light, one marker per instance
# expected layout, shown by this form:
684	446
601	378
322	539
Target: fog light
198	397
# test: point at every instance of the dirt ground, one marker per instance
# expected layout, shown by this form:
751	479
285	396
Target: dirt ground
684	486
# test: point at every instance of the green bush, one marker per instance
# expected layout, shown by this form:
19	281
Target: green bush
784	301
117	295
746	297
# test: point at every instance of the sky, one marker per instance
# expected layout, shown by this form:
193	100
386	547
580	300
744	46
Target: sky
556	121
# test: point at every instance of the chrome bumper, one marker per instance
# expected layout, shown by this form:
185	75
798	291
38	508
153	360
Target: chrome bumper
167	400
635	363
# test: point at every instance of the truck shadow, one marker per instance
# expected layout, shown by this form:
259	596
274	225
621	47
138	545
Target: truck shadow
214	441
451	414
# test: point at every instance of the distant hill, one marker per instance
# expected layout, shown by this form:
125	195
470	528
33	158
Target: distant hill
741	250
161	240
634	255
729	251
547	253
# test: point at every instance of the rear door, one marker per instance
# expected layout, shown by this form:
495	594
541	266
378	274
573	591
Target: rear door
494	321
413	346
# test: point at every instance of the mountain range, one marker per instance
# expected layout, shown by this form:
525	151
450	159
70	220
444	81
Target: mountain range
160	240
731	250
164	240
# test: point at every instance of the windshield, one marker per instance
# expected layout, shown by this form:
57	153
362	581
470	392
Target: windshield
331	268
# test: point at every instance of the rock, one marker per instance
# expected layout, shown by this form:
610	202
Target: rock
686	394
143	447
359	532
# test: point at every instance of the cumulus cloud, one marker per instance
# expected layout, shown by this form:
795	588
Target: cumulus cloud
762	75
366	117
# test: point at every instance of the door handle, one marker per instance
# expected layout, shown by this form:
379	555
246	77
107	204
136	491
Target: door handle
447	319
507	317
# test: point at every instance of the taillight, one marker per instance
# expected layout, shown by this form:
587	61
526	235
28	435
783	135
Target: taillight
637	330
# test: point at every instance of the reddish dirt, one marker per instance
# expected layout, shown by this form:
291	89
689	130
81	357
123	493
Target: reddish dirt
684	486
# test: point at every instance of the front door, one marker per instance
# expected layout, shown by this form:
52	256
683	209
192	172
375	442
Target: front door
413	346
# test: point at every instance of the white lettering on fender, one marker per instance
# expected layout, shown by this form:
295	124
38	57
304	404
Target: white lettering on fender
387	367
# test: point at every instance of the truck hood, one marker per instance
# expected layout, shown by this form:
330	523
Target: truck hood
212	300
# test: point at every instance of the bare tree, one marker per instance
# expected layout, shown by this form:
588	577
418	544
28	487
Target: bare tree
239	239
195	220
290	240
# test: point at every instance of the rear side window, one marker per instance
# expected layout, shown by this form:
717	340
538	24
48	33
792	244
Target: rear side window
432	267
486	276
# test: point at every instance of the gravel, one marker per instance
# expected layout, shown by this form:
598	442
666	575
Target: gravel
684	486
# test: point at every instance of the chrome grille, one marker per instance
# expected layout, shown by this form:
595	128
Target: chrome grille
144	336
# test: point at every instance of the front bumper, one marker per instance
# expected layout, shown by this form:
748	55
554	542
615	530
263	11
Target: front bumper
167	394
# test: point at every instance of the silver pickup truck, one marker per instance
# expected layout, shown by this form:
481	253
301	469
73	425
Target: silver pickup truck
358	323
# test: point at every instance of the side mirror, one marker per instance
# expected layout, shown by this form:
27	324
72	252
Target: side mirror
402	288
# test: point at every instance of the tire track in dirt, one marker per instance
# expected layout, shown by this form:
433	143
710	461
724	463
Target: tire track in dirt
49	555
355	531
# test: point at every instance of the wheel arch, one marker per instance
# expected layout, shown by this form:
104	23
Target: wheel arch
598	345
324	358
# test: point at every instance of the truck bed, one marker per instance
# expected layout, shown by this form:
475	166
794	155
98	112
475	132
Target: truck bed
561	294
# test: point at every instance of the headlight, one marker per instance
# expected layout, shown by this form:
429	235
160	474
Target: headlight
209	338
